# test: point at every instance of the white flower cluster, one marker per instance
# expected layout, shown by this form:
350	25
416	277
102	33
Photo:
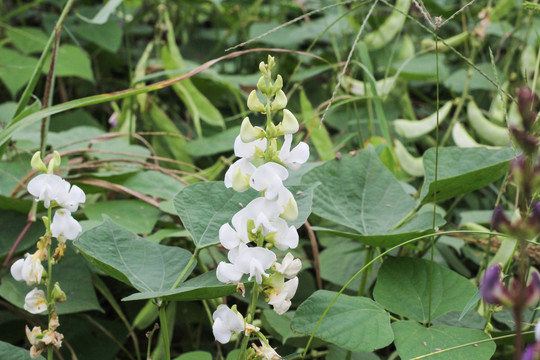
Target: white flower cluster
53	191
264	222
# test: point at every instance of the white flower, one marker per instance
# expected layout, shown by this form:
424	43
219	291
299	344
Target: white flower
64	226
37	344
249	150
229	238
288	203
281	300
289	267
252	260
285	237
47	187
266	352
259	212
296	157
35	301
238	175
226	323
72	198
228	273
28	269
269	178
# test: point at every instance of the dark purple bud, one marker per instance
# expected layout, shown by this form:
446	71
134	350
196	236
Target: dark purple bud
532	294
499	221
492	288
534	218
524	140
525	100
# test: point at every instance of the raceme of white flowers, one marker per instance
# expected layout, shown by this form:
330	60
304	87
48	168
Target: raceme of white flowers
264	222
55	192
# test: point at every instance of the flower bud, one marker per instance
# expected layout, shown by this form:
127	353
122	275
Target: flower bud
525	100
263	87
249	133
289	125
278	84
527	142
492	289
57	294
254	104
271	62
54	163
36	162
280	101
499	221
264	69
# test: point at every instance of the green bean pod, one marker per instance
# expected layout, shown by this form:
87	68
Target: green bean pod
357	87
429	44
462	138
411	129
389	28
413	166
486	130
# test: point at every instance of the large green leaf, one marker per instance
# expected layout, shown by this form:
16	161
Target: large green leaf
352	323
462	170
403	287
72	61
216	144
204	207
12	224
74	278
15	69
135	215
205	286
413	339
27	40
107	35
10	352
123	255
359	193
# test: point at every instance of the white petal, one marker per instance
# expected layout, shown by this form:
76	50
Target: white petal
228	273
47	187
32	270
226	323
290	287
16	270
269	178
228	237
250	149
289	267
288	204
288	239
72	198
238	175
35	301
221	332
295	158
64	225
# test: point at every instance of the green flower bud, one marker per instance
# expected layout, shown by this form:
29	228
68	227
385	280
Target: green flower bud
249	133
278	84
54	163
271	62
265	89
36	162
289	125
280	101
263	69
57	294
254	104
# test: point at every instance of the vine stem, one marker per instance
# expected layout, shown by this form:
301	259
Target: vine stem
50	304
164	330
249	318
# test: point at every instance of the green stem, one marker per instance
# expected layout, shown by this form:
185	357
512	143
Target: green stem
49	277
363	281
164	330
249	318
186	269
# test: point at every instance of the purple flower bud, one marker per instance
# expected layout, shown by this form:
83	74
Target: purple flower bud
492	288
528	354
526	141
525	104
534	218
532	293
499	221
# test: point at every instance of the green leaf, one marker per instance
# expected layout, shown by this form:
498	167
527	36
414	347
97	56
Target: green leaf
462	170
216	144
134	215
422	67
71	61
195	355
145	183
107	35
74	278
12	223
413	339
352	323
123	255
27	40
205	286
15	69
318	135
457	79
336	353
359	193
204	207
12	173
341	260
403	287
10	352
